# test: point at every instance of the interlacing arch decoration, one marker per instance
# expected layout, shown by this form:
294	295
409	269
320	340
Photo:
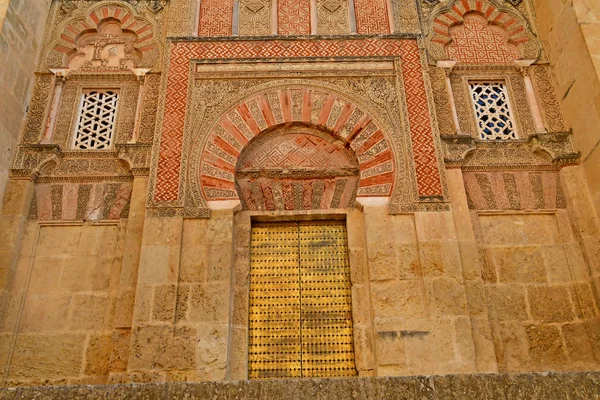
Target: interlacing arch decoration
111	37
480	32
315	121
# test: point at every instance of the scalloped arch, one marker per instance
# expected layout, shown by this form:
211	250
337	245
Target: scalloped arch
66	43
515	26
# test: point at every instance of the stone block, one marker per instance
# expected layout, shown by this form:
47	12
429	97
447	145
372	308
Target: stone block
519	264
382	261
17	197
209	302
119	357
434	226
476	302
47	356
97	240
364	348
449	297
98	354
193	264
148	344
155	265
515	347
55	241
88	312
583	300
432	258
163	308
211	354
218	262
429	346
550	303
556	263
144	296
238	359
397	299
508	302
179	354
579	346
194	232
86	273
240	306
45	277
45	313
409	262
219	227
390	349
485	351
546	347
358	265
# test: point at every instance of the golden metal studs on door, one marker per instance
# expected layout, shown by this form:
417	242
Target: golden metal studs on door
300	301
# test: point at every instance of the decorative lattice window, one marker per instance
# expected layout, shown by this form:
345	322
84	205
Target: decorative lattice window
96	121
492	111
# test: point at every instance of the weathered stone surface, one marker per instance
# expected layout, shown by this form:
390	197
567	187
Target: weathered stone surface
572	386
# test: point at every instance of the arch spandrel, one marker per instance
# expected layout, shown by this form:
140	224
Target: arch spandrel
314	110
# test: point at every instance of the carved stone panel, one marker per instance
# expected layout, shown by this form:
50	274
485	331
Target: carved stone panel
333	17
255	18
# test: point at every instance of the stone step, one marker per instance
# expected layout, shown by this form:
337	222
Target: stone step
548	386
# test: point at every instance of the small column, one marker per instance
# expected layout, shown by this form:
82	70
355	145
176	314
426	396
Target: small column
314	18
197	18
274	20
59	82
448	66
390	11
141	75
524	67
235	29
352	17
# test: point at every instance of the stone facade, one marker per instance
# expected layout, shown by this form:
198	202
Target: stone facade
160	132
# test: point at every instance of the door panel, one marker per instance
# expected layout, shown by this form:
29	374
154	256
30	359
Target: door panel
274	343
300	301
326	302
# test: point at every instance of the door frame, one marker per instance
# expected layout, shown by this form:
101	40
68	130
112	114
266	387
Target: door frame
363	329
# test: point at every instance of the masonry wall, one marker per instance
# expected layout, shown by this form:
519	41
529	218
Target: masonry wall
22	25
571	35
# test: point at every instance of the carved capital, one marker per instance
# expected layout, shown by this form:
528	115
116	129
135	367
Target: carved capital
137	156
30	159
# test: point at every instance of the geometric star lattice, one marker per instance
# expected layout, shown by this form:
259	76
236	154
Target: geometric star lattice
96	121
492	110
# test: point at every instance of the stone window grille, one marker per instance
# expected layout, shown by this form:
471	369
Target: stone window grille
96	120
493	112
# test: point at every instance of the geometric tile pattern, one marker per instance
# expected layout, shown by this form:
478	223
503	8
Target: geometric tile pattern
476	42
492	111
426	162
346	122
128	22
504	33
294	17
216	17
518	190
96	121
182	53
371	17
